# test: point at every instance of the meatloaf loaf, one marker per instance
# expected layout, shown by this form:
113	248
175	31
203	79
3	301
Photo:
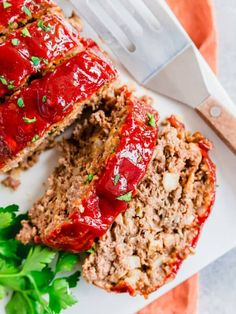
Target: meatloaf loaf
147	243
50	104
48	72
35	49
17	13
97	175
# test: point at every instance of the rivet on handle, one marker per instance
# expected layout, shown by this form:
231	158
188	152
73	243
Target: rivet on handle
215	111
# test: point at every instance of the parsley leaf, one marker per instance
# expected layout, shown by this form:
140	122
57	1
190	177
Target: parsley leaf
89	178
73	279
117	177
66	262
126	197
44	27
9	248
20	102
25	32
59	295
5	220
151	121
35	138
27	11
18	304
30	271
6	4
35	60
15	42
44	98
29	120
9	209
3	80
37	259
92	249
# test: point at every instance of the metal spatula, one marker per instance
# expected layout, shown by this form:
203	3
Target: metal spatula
151	44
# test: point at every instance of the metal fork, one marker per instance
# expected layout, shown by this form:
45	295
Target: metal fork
149	41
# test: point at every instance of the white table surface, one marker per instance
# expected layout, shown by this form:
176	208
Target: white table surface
218	280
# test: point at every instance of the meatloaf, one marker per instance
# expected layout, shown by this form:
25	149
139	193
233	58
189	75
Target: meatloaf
147	243
97	175
17	13
35	49
50	104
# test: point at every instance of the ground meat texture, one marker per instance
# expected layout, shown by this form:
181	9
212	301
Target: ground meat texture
11	182
147	243
98	172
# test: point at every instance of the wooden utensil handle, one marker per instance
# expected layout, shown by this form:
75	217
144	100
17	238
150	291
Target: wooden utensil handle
219	119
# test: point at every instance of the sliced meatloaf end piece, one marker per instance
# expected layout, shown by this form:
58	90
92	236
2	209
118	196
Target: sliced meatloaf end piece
35	50
50	104
97	174
17	13
147	243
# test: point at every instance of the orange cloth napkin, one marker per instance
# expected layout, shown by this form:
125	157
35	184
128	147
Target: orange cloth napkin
197	18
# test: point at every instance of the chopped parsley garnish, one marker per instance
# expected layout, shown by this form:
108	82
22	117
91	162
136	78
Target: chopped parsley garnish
92	249
44	27
29	120
10	23
140	158
117	177
15	42
45	61
25	32
35	138
33	274
89	177
3	80
10	86
35	60
6	4
151	121
27	11
20	102
44	98
126	197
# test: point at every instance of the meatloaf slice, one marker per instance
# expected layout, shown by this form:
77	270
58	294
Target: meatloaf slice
147	243
16	13
34	49
51	103
97	174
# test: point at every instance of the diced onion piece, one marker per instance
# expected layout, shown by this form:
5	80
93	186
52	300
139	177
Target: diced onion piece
134	277
170	181
133	262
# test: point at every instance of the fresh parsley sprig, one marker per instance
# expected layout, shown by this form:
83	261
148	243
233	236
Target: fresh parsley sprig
37	287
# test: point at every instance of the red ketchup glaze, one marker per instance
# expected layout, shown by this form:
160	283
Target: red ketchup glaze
14	12
49	100
14	68
22	56
130	162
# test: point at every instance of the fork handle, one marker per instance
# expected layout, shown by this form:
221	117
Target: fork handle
220	120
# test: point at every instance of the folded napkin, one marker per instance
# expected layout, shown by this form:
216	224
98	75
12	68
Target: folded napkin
198	20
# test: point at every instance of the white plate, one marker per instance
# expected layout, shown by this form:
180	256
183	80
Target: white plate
219	233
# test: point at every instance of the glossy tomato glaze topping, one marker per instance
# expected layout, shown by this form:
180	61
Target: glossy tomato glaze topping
129	162
14	12
27	115
34	48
